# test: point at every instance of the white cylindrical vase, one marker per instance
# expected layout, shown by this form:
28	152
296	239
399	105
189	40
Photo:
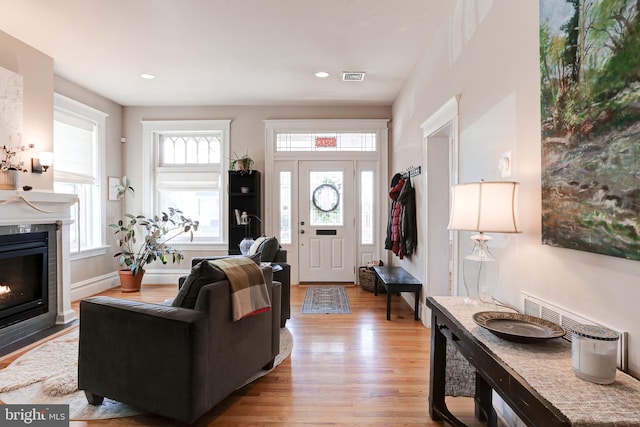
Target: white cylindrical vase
594	351
9	179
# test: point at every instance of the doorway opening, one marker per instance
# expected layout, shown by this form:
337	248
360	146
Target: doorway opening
324	182
440	134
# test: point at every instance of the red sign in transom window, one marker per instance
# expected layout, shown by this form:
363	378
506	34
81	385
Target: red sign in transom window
326	141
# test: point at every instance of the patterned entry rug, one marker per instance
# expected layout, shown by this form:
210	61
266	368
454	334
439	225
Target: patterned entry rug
326	300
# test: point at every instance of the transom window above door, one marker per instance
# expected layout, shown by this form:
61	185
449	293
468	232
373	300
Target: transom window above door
323	142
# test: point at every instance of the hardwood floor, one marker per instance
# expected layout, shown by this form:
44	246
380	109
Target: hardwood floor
345	370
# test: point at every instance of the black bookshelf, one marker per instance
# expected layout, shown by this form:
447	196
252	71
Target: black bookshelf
244	196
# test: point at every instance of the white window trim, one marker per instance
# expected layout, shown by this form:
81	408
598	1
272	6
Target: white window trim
150	129
274	127
73	107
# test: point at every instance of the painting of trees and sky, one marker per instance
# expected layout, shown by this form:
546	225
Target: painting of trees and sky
590	112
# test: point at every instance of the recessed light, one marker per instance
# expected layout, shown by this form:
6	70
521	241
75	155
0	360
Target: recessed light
147	76
322	74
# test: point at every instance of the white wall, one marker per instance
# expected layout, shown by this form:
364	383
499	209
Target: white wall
488	53
36	69
247	136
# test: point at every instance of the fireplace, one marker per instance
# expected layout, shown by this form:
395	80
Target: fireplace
34	231
23	277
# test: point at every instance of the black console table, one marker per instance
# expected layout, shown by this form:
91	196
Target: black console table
536	380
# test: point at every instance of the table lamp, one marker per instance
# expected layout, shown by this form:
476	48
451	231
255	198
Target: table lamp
245	244
490	207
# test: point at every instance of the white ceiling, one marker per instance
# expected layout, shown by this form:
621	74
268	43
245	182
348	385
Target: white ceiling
229	52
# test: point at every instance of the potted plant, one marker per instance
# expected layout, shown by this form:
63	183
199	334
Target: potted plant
155	232
11	166
243	164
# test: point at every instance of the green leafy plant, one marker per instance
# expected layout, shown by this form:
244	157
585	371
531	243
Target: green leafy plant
244	163
156	232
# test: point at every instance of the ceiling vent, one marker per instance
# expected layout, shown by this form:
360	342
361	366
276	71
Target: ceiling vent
353	76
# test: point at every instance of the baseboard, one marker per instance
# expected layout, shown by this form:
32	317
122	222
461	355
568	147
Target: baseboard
424	312
95	285
345	284
163	277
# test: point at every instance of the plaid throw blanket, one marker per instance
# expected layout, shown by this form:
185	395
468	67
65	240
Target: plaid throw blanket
249	294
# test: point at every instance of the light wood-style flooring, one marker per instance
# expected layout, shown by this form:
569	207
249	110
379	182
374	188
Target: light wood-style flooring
345	370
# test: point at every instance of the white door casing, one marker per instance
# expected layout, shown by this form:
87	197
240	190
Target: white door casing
278	162
441	139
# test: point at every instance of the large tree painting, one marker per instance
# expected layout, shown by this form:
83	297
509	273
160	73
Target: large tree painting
590	105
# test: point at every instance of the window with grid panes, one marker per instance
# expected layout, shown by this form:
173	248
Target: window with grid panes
189	176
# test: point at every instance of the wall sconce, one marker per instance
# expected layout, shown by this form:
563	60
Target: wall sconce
42	163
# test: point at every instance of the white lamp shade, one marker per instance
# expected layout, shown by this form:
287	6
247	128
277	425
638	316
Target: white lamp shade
46	158
485	206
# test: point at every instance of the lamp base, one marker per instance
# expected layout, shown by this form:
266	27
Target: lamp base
245	245
480	271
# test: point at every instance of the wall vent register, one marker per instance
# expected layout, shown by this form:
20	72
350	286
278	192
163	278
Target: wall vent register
537	307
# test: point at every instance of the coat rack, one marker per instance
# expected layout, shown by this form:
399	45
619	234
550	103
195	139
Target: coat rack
412	171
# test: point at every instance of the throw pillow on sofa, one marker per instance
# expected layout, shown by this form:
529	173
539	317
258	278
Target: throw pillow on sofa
268	249
257	258
256	245
201	274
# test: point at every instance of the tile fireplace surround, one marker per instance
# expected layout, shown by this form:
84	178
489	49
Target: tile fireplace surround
28	211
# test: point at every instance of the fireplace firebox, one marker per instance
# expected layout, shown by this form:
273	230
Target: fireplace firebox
24	277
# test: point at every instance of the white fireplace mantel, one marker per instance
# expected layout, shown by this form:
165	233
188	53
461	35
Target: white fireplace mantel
45	207
34	207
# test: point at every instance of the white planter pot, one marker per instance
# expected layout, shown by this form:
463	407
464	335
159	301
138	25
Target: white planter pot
9	179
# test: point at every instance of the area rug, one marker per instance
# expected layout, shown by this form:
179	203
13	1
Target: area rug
48	374
326	300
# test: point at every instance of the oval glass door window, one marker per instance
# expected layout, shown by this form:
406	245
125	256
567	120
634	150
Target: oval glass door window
326	198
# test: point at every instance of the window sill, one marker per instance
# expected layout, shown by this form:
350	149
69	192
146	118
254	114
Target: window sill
197	246
89	253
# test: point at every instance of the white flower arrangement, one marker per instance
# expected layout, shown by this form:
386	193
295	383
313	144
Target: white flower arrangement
11	158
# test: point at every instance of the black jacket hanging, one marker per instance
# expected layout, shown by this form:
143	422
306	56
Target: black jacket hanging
408	221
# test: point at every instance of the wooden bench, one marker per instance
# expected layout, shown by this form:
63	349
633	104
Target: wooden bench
396	280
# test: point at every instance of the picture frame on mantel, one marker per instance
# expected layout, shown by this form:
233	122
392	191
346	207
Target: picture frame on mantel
590	126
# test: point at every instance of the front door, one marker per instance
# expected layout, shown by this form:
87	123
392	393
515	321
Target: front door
326	251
